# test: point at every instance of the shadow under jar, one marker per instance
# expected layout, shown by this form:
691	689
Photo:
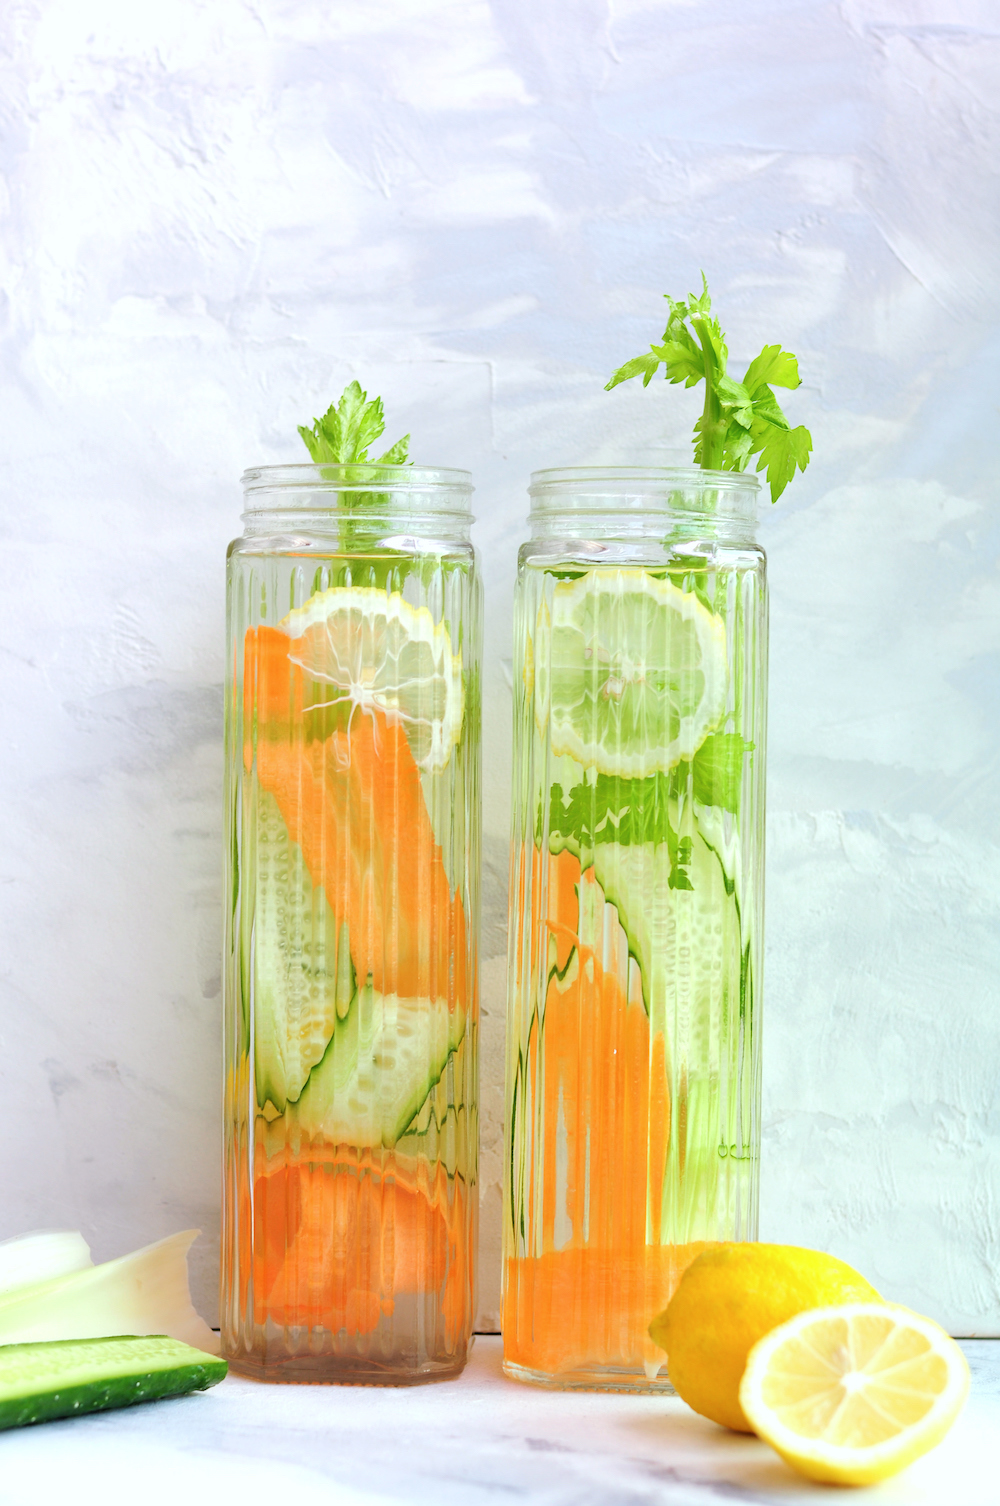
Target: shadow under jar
633	1047
352	909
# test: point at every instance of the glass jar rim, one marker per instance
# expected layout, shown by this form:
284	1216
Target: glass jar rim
612	480
637	501
609	490
440	489
694	473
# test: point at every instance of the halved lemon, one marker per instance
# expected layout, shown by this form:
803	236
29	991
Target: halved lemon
854	1394
630	671
376	650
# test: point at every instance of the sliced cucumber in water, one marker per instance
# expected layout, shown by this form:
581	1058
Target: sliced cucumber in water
687	941
690	949
445	1126
303	979
379	1068
67	1377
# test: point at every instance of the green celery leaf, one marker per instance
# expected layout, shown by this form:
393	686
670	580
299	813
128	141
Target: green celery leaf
774	367
360	423
624	811
644	366
342	436
315	443
636	812
701	446
680	859
780	451
679	314
735	401
683	359
739	419
717	770
736	448
766	408
700	303
397	453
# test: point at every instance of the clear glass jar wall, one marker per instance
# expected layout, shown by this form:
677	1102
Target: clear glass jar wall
633	1044
352	902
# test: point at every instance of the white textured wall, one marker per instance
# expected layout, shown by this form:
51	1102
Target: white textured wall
214	215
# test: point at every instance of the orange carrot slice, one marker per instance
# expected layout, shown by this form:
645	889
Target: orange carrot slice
335	1243
572	1309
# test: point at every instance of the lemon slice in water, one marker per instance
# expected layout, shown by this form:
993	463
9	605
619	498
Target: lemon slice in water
376	650
853	1394
630	672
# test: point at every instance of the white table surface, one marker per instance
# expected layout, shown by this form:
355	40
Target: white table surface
475	1440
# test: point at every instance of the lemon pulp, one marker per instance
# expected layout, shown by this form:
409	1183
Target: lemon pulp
378	652
631	672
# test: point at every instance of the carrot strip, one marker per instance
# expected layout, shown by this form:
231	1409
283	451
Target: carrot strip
587	1296
355	805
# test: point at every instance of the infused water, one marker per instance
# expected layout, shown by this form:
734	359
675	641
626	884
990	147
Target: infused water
353	798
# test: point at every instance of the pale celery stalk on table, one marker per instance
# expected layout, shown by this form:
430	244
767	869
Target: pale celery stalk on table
50	1289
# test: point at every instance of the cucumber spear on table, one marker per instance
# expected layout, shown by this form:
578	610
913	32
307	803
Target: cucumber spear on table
66	1377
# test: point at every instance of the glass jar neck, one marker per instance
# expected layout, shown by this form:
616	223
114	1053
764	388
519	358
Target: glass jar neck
636	502
365	501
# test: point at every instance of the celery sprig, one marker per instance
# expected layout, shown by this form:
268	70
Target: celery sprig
347	429
739	419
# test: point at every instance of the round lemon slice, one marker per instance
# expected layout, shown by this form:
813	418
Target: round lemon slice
630	672
853	1394
379	652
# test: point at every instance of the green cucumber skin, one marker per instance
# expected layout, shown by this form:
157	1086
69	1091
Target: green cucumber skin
26	1400
123	1391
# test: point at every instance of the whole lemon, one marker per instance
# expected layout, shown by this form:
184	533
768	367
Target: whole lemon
730	1297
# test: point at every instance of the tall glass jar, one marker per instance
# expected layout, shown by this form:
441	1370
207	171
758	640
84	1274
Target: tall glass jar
352	905
633	1050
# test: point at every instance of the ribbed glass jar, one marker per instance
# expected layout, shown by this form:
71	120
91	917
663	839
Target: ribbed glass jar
633	1049
352	906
